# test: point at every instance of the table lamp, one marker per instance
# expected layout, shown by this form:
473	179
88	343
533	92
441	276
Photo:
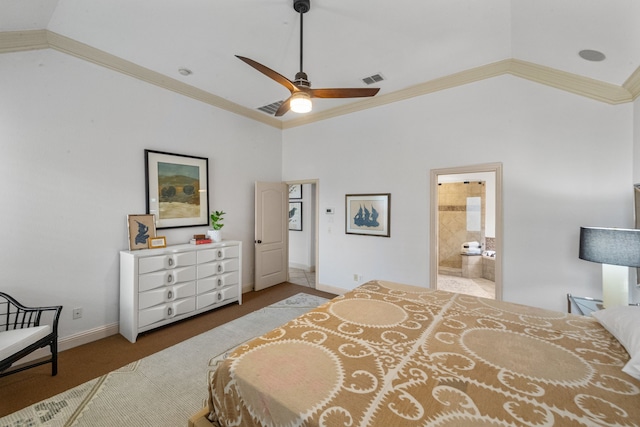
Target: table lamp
616	249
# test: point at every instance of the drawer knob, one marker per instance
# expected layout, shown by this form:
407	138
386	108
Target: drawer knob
219	296
219	282
219	254
169	294
170	311
170	262
219	269
170	278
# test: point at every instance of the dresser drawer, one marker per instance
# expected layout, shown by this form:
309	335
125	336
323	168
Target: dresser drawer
166	294
167	311
166	278
216	297
208	269
216	282
216	254
228	265
164	262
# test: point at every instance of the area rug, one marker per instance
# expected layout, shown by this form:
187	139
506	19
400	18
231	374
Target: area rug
163	389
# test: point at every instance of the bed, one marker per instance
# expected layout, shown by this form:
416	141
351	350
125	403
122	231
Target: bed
388	354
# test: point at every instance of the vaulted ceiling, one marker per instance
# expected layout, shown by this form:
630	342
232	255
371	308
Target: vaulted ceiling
417	46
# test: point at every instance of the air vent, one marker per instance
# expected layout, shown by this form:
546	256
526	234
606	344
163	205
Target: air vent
271	108
373	79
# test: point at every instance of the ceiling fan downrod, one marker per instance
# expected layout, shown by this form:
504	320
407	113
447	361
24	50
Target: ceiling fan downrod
302	7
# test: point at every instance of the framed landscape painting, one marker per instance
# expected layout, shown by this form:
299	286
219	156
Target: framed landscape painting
176	187
368	214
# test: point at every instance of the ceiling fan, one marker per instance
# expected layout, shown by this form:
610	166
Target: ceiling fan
300	88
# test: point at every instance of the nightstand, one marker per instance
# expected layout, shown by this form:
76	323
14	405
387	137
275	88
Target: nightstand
584	305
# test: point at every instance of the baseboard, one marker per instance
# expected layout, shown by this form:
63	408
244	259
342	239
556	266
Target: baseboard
72	341
331	289
304	267
86	337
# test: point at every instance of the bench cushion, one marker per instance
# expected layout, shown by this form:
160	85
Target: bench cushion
15	340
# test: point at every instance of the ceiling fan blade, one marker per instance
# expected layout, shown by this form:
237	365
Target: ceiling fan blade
274	75
343	92
284	107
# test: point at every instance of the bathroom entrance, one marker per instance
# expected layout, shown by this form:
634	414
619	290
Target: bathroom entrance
466	224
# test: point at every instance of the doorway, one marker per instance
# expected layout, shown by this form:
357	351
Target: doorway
466	229
303	232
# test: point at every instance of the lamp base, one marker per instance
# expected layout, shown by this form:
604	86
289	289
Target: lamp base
615	285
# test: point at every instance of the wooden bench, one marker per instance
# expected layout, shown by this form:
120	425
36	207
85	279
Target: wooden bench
21	333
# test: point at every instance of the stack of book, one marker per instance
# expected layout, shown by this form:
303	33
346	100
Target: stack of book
200	239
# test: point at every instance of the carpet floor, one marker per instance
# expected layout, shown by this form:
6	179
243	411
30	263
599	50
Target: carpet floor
163	389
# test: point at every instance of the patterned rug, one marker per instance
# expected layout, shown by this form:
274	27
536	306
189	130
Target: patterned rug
163	389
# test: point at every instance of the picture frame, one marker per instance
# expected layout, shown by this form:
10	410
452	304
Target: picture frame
368	214
295	216
176	189
142	228
295	191
157	242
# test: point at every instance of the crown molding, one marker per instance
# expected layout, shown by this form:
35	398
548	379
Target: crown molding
633	84
99	57
594	89
15	41
579	85
447	82
42	39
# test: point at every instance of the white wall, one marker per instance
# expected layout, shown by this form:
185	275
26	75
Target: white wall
72	140
566	163
302	243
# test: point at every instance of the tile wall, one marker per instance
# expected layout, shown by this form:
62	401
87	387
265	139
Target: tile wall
452	221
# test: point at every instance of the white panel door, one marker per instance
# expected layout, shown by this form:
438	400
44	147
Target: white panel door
271	234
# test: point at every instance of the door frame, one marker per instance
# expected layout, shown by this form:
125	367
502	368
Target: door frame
434	241
316	226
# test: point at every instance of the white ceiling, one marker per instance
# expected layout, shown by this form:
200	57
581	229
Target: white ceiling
409	42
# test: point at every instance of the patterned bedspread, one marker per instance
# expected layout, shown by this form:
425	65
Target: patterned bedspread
387	354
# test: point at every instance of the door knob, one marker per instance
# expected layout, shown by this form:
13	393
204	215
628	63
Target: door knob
258	241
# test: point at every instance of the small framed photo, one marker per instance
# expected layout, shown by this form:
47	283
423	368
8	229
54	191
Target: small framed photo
142	228
295	216
295	191
157	242
368	214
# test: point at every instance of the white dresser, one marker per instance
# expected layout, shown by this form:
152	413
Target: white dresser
161	286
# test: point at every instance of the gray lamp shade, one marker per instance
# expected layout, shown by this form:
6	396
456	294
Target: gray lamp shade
615	246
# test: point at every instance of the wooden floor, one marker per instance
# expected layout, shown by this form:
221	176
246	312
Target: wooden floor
83	363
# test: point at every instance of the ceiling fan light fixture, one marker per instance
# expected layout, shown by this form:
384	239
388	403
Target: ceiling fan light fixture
300	102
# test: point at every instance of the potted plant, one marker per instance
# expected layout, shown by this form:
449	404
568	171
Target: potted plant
216	224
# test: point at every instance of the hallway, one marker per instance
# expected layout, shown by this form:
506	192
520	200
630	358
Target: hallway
302	277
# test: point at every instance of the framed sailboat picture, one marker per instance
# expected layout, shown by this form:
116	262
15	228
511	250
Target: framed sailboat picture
368	214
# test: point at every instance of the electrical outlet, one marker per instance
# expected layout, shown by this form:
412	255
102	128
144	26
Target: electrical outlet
77	313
